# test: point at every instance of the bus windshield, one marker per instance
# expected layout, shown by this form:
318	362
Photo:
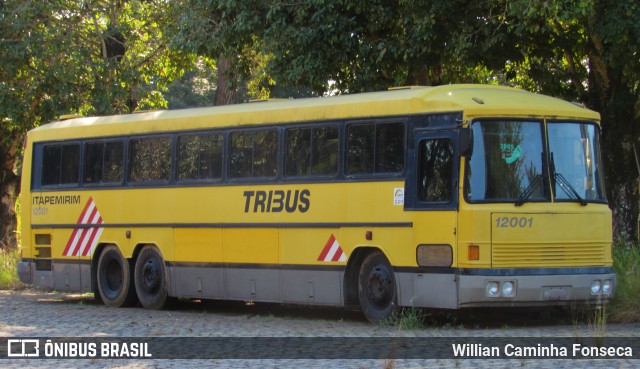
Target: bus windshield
575	158
508	162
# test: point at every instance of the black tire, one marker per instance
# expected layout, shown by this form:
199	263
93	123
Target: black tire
377	288
114	278
151	280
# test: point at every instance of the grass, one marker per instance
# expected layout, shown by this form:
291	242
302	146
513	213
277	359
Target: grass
9	269
9	258
625	305
408	318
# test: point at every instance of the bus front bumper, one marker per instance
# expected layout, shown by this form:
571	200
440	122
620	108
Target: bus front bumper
506	287
534	290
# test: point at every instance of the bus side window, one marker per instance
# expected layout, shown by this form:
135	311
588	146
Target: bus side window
253	154
93	161
103	162
436	171
360	148
375	148
150	159
113	167
51	156
61	165
389	148
200	156
311	151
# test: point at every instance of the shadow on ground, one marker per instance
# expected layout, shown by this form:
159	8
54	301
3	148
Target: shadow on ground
474	318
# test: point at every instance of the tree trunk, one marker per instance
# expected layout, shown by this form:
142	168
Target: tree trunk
8	223
621	170
424	74
9	189
225	93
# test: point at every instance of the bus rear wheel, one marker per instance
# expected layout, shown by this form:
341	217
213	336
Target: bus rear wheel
377	288
150	278
114	278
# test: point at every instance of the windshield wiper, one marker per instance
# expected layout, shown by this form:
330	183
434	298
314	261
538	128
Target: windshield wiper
529	190
564	184
569	189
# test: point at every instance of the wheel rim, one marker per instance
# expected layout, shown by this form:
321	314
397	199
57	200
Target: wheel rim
151	276
113	276
380	286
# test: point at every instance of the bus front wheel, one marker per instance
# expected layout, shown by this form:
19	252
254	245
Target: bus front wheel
150	278
114	278
377	288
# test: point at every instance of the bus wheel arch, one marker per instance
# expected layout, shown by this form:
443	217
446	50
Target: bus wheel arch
94	271
150	276
371	283
351	275
113	277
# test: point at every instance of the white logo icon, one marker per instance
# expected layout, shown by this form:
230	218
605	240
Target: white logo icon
23	348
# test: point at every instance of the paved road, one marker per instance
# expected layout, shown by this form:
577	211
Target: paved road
32	313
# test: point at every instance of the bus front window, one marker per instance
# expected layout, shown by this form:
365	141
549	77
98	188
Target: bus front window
506	164
575	155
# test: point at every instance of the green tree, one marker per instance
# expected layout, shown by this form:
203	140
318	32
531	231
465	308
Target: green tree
224	31
89	57
365	46
195	88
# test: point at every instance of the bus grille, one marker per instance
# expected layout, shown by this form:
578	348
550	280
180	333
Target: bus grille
513	255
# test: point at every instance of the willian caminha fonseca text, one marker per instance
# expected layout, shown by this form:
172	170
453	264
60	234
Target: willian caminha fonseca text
510	350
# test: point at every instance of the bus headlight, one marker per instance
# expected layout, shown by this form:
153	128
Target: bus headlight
507	289
492	289
607	286
596	286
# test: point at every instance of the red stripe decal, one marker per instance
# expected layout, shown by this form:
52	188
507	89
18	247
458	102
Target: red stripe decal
327	248
85	232
94	233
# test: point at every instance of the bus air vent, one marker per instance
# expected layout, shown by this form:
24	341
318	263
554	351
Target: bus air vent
271	99
69	116
43	251
406	88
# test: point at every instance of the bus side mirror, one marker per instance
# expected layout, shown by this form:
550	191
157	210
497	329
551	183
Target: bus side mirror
465	141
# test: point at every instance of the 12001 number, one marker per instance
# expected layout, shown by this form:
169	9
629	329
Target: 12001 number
514	222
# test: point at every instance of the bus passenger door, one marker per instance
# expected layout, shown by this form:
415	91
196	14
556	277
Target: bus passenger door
432	197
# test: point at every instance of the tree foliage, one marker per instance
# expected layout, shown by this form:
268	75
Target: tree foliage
223	31
88	57
351	46
364	46
196	87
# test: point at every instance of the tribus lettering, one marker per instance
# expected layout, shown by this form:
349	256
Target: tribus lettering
277	201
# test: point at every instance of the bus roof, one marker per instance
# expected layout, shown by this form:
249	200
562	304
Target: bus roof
473	100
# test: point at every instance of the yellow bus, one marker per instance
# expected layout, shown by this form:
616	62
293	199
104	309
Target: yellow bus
444	197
